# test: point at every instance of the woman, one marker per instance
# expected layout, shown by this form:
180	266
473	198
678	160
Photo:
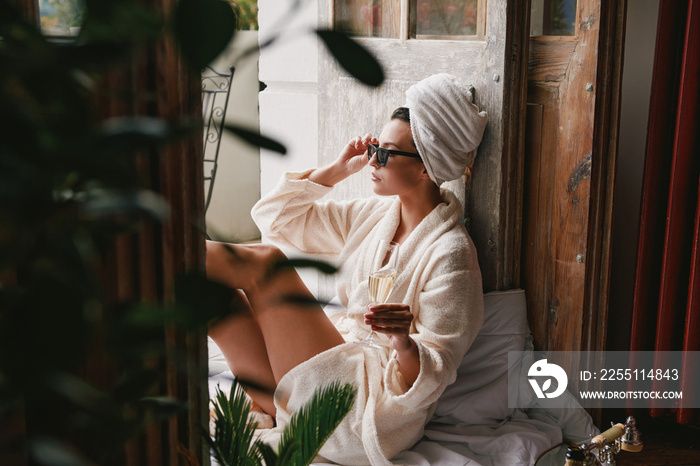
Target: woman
436	305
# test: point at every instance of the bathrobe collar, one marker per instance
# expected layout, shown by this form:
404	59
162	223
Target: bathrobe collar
441	219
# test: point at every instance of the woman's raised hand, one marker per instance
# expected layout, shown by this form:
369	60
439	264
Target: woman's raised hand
351	160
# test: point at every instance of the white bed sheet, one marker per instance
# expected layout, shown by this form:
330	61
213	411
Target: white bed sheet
473	424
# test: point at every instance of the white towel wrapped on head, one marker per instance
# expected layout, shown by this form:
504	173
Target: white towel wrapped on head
446	125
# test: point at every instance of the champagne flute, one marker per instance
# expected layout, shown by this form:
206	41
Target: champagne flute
382	277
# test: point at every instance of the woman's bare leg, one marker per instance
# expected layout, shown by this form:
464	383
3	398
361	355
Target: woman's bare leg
238	335
292	331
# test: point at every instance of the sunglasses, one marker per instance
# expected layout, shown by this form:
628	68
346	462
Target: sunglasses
383	154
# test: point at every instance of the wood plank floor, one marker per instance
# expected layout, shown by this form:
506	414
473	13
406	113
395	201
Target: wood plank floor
665	443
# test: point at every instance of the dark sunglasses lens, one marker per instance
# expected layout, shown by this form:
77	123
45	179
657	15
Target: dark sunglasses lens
382	155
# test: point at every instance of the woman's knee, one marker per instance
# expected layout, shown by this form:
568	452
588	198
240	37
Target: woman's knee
217	252
242	266
269	254
217	263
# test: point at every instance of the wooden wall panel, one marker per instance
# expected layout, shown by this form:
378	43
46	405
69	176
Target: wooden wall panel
550	58
537	236
570	159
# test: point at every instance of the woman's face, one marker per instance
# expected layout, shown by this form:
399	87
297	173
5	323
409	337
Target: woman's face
400	174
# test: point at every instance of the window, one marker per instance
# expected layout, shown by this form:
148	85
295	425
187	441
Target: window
419	19
553	18
435	18
61	17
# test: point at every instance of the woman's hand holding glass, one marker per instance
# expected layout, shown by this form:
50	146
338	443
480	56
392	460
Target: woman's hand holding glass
393	320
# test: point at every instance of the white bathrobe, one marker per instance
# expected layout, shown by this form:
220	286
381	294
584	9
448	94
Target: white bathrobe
439	279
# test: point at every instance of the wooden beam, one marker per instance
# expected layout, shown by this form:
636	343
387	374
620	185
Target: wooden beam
605	145
510	203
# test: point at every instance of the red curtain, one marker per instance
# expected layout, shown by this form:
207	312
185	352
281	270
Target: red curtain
666	310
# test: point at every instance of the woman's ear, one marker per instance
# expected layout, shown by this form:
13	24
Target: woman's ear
425	174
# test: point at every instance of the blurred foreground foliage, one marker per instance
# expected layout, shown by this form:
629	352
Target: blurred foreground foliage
247	14
234	442
69	185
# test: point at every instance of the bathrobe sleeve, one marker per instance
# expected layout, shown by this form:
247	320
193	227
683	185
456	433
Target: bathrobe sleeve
292	216
448	313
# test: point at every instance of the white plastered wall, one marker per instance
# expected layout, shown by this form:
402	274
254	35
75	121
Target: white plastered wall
289	104
237	184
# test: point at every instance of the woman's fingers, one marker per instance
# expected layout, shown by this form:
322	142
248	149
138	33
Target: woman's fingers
361	142
357	143
389	318
389	308
357	148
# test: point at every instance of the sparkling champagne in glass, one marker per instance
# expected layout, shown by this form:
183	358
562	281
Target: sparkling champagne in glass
382	277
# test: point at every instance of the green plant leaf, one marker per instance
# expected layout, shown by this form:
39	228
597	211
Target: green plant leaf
321	266
129	134
249	384
314	423
133	384
203	29
79	392
52	452
102	204
233	435
266	452
201	299
256	139
162	407
352	56
289	453
300	300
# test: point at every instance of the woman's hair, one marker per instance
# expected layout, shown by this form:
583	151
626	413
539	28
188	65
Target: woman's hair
402	114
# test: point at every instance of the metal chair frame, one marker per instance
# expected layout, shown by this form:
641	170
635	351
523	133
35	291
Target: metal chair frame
216	88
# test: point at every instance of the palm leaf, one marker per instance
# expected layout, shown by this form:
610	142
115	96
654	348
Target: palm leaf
289	453
233	435
313	424
266	452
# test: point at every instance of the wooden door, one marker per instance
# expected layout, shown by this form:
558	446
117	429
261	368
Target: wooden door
490	60
572	103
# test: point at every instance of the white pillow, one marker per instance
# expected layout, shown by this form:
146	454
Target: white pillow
479	396
217	362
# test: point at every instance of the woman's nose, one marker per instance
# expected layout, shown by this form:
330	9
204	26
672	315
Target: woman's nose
373	161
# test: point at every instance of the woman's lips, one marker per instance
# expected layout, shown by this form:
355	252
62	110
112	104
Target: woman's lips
374	177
